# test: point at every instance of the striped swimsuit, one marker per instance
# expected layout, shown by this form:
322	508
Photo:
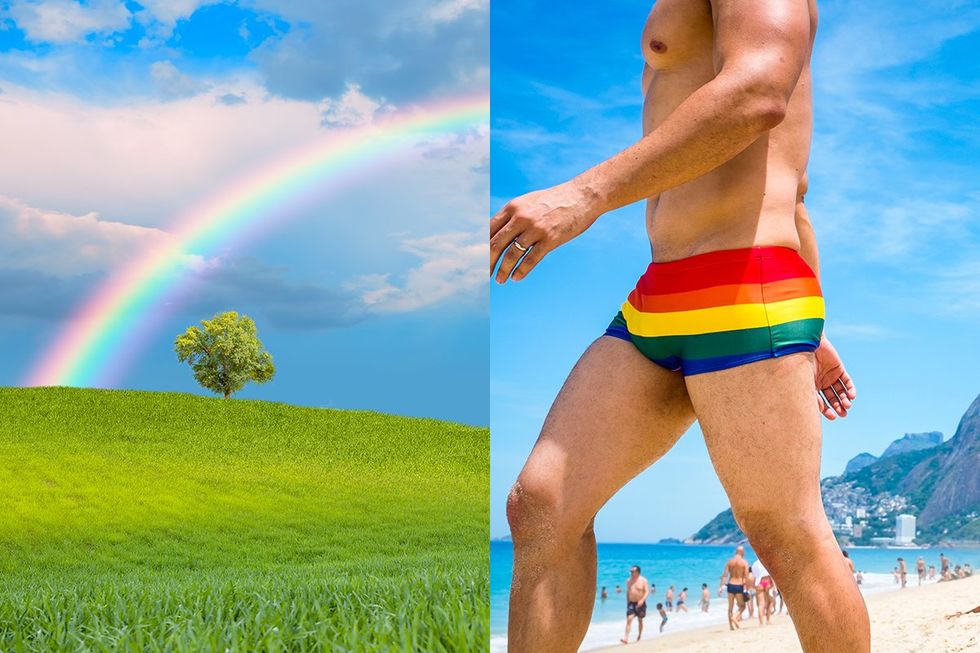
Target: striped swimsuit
723	309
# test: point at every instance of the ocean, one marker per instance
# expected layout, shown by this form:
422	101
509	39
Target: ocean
683	566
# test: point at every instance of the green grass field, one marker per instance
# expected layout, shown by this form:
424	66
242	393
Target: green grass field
135	521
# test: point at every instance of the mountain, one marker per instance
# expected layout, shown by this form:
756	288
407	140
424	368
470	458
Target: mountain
918	474
906	443
913	442
859	462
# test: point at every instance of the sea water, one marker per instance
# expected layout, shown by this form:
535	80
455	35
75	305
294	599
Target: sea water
684	566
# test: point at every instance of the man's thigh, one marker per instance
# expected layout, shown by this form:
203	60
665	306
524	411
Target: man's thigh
616	414
762	430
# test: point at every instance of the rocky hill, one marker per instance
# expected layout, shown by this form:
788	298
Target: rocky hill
919	474
906	443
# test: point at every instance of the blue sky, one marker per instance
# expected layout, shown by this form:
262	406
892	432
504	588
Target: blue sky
117	116
893	196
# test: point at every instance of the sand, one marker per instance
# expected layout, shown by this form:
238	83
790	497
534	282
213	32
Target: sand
902	621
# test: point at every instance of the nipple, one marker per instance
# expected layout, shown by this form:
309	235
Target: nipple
657	46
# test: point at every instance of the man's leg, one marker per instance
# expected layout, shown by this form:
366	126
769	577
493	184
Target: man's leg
639	628
616	414
731	608
767	408
626	635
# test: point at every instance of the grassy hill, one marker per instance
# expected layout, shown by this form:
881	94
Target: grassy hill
154	521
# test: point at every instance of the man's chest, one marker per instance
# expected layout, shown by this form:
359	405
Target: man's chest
676	32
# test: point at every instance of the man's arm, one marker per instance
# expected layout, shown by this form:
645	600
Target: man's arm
759	51
646	593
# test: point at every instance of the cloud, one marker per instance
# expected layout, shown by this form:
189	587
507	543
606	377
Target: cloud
231	99
67	21
174	84
63	245
246	285
352	109
450	10
404	51
452	267
143	162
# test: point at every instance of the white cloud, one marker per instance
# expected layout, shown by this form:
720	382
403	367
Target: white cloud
67	21
452	266
143	162
64	245
450	10
172	83
352	109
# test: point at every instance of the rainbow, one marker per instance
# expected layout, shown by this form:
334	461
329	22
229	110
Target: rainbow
114	320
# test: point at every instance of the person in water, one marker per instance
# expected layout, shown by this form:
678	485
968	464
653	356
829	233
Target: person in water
725	326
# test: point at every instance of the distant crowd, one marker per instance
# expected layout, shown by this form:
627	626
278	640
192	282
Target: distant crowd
749	587
946	571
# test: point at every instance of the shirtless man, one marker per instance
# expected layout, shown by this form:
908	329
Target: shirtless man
902	572
848	562
725	326
733	580
920	568
637	591
669	599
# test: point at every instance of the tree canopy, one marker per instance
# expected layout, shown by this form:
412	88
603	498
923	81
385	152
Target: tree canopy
225	353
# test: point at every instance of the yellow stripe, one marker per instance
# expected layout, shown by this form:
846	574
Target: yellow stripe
721	318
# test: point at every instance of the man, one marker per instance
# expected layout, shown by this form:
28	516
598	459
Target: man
725	326
748	593
733	579
920	568
705	601
669	599
902	572
637	591
682	600
943	565
848	562
763	583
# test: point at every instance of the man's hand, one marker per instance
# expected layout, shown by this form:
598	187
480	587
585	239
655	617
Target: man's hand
532	225
835	390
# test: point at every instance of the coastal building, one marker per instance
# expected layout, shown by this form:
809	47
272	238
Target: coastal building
904	529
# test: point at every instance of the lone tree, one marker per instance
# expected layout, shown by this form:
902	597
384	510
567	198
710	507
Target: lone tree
226	354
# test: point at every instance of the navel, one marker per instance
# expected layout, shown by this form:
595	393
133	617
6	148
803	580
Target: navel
658	46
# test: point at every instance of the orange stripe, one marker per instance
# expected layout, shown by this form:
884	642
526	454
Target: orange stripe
730	295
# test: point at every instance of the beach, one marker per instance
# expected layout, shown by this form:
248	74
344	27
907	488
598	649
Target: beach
902	621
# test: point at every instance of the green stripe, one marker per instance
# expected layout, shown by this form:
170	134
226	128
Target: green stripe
730	343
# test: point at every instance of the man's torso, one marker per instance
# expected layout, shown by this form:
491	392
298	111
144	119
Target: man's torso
635	589
737	569
751	199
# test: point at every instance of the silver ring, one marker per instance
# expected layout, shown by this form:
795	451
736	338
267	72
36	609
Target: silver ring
519	246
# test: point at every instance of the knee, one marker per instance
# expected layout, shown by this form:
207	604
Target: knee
532	510
535	515
777	534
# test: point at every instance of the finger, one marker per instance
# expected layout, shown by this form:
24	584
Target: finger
500	219
824	408
500	242
841	391
834	400
532	258
509	261
849	386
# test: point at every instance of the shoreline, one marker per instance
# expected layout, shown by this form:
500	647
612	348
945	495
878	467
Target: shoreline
902	621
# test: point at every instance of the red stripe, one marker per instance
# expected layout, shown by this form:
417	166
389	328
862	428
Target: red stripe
750	293
753	265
